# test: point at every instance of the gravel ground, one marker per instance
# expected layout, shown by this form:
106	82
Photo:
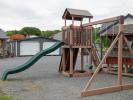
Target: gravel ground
43	82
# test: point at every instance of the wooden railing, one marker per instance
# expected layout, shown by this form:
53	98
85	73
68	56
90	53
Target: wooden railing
77	36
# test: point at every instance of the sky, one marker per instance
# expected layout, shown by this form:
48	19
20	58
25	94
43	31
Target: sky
47	14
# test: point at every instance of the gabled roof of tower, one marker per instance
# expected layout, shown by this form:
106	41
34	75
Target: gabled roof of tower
76	13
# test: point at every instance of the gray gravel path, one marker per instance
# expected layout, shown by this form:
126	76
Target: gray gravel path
43	82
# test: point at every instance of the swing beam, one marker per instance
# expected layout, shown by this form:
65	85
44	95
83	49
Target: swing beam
103	21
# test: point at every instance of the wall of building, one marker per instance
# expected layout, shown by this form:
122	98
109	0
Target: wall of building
128	21
14	47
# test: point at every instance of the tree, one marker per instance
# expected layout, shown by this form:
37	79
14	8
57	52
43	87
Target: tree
11	32
49	33
30	31
96	35
97	39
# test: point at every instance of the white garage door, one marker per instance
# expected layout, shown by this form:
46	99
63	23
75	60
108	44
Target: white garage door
29	48
49	44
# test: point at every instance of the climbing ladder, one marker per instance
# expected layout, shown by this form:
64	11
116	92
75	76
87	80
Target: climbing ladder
95	56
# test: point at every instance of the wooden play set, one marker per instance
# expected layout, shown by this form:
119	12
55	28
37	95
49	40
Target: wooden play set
80	37
76	38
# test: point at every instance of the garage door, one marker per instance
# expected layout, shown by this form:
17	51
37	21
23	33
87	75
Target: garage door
49	44
29	48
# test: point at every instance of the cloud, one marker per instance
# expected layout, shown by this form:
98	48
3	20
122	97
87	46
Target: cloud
47	14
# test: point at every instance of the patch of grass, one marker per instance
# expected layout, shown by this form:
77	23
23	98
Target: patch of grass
6	97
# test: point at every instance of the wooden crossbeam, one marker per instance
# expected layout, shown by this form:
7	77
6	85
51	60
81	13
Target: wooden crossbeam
106	90
102	21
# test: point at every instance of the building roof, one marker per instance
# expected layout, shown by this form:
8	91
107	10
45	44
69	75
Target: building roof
2	34
128	29
76	13
17	37
112	27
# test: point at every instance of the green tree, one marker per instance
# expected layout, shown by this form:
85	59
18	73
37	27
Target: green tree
11	32
96	35
30	31
49	33
97	38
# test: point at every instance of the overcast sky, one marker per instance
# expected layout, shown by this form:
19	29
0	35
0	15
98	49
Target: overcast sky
47	14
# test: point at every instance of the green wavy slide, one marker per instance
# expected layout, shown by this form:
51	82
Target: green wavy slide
31	61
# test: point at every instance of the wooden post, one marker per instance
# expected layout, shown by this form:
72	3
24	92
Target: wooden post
120	52
91	44
64	60
82	60
71	49
71	61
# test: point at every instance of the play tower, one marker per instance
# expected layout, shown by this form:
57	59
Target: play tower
75	38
